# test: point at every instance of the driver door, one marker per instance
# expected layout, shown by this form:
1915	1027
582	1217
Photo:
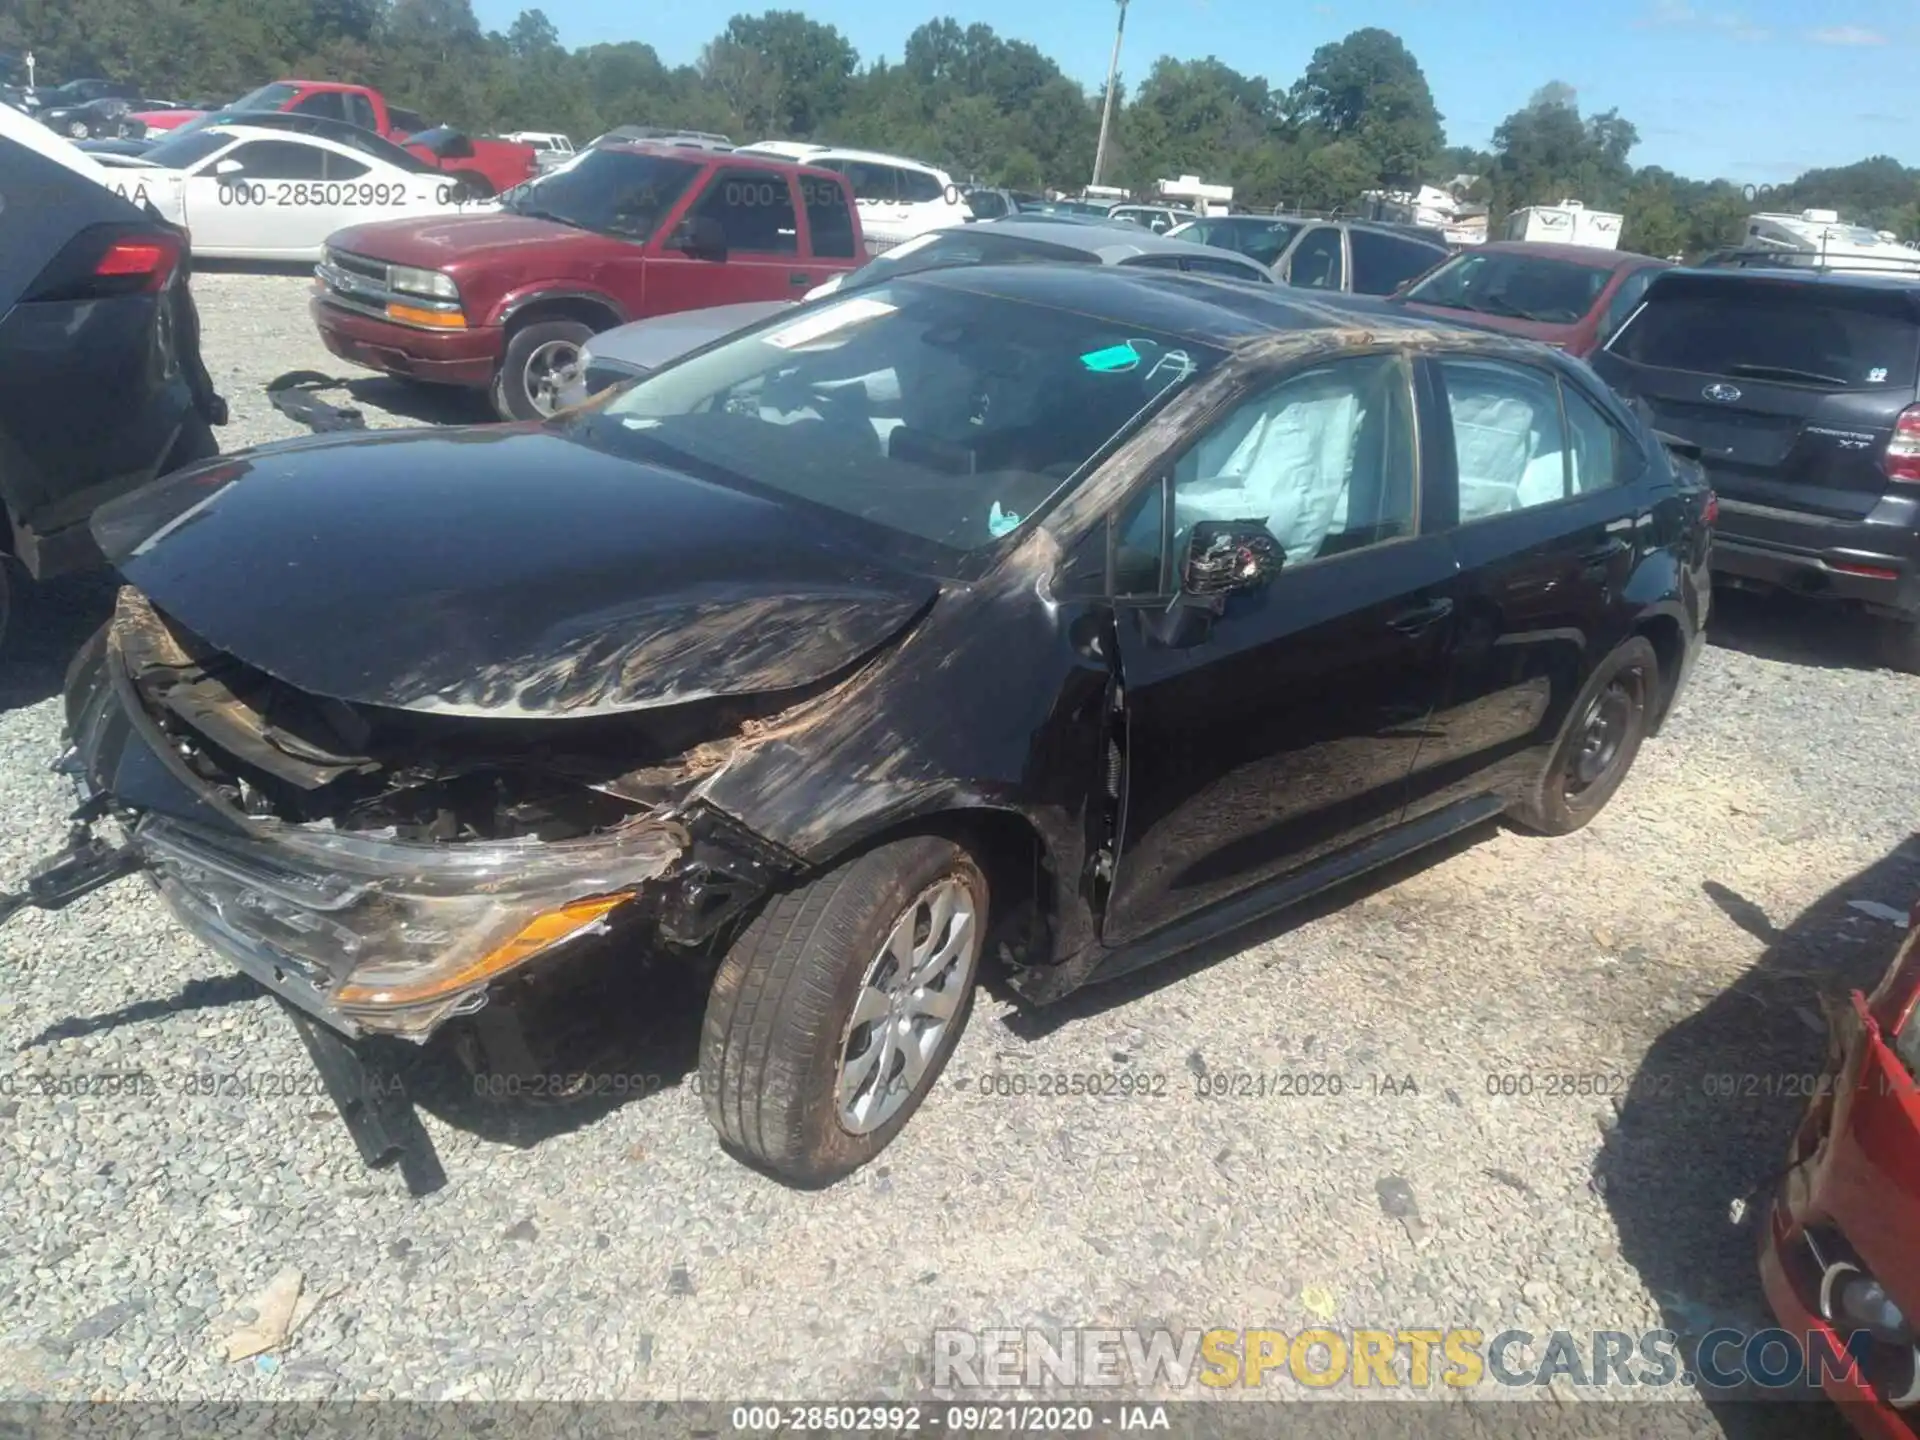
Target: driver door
1285	726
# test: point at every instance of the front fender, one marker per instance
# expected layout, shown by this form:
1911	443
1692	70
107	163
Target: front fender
517	300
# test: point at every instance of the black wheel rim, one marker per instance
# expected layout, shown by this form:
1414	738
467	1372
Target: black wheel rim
1601	737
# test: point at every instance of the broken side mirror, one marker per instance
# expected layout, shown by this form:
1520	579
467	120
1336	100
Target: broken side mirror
700	236
1227	557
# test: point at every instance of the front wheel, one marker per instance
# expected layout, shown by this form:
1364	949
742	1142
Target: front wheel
534	371
1597	748
835	1011
78	129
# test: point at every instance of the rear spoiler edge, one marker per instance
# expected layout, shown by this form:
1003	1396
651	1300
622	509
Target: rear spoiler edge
1685	449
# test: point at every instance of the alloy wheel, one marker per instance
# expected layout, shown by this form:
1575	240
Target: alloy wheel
546	372
909	999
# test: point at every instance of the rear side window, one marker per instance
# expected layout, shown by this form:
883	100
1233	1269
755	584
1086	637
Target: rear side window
339	167
1316	264
328	104
360	111
829	219
1380	262
917	187
280	160
1789	335
878	184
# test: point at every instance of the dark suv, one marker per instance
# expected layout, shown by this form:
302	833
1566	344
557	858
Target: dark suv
1800	389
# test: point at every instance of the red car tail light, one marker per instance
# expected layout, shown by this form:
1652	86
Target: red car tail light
1710	512
104	261
1902	460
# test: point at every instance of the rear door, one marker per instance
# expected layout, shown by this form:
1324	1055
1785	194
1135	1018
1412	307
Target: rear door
833	241
1382	262
1317	260
1544	515
1790	386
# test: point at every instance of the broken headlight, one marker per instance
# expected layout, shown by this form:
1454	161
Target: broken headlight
398	934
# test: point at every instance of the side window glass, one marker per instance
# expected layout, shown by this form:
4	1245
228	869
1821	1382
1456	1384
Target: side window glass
1326	459
280	160
917	187
327	103
1316	263
339	167
755	211
875	184
1381	262
1139	554
1507	437
829	219
1598	455
361	112
1154	262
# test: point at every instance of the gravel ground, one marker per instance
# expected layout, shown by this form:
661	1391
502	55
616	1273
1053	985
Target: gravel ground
1688	932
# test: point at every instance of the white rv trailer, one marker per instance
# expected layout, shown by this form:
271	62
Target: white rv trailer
1568	223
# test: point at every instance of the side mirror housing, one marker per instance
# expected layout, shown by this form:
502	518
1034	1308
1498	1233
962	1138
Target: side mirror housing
227	167
1228	557
700	236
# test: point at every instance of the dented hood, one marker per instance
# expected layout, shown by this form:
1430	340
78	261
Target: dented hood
503	571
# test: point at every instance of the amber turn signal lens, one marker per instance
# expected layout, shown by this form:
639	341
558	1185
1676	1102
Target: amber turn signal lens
432	319
543	932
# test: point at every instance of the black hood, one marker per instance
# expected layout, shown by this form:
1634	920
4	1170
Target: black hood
503	571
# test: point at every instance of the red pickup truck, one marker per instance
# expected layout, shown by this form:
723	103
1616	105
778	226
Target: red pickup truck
504	300
488	166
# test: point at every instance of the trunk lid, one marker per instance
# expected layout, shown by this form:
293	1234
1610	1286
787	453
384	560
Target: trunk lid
1789	385
502	571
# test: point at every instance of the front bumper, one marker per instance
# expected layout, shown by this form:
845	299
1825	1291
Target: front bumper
455	357
370	935
1873	562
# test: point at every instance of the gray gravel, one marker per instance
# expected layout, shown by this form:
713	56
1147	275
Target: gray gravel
1689	931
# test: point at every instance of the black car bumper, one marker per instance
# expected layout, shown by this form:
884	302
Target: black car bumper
1873	562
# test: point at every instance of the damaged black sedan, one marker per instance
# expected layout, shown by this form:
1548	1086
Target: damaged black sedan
1064	615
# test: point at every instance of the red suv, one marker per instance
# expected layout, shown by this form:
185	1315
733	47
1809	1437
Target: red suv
504	299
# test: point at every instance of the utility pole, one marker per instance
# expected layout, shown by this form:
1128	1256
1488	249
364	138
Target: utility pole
1106	109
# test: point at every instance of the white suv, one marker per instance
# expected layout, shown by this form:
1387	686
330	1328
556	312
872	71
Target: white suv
898	198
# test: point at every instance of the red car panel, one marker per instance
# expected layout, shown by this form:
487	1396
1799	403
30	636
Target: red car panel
1578	337
1852	1198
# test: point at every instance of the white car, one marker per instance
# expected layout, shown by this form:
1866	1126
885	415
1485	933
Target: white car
898	198
249	192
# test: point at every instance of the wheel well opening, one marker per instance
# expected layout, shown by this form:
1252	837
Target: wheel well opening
1670	648
592	314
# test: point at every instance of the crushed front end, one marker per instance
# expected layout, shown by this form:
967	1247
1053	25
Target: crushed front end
1840	1240
384	873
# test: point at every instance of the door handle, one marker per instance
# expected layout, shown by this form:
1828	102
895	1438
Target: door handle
798	279
1412	622
1600	554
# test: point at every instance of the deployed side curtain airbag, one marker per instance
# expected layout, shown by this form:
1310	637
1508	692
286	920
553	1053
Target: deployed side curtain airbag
1507	440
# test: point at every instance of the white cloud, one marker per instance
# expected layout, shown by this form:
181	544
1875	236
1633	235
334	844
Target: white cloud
1847	35
1677	14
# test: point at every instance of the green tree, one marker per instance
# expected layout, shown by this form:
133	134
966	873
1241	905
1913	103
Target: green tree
812	65
1369	89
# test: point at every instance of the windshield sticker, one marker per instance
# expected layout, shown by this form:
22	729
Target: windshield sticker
1113	360
825	322
1001	522
1877	375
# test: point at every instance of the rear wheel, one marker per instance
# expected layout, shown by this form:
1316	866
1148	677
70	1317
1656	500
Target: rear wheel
1598	745
834	1013
78	129
1900	643
540	356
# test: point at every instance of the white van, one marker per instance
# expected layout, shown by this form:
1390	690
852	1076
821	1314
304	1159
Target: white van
547	142
898	198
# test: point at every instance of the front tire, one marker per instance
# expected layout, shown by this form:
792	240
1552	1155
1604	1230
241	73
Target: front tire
78	129
536	363
1598	744
835	1011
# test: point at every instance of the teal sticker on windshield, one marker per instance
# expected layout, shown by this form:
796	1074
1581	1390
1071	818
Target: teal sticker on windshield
1002	522
1112	359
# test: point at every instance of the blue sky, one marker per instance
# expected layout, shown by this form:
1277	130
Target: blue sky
1755	91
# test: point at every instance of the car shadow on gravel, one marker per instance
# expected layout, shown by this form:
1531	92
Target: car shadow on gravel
1036	1023
427	404
1793	630
1712	1107
50	623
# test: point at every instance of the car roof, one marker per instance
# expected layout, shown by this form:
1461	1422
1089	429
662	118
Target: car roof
841	152
1711	277
698	155
1193	307
1591	256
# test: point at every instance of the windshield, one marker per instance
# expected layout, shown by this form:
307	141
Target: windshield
267	97
934	412
183	152
616	192
1781	333
1524	287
